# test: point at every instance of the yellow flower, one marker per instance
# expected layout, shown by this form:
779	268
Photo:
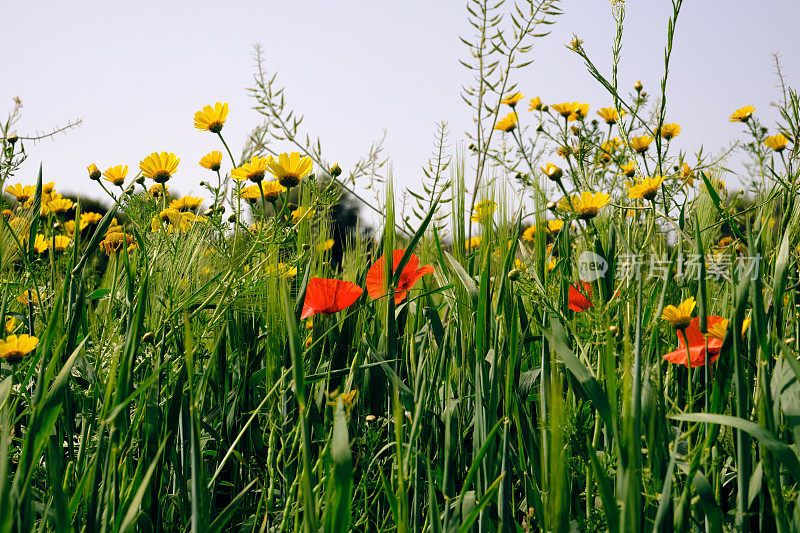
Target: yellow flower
28	297
610	115
777	142
552	172
114	242
212	160
585	205
116	175
20	192
472	242
719	329
90	218
641	144
159	167
301	212
529	235
114	227
282	270
60	205
158	189
40	244
687	174
94	172
638	86
14	348
564	151
507	124
646	188
271	191
325	245
289	169
47	188
536	104
60	242
512	99
169	216
680	316
669	131
743	114
186	202
211	118
553	226
579	111
483	211
253	171
564	109
575	43
11	324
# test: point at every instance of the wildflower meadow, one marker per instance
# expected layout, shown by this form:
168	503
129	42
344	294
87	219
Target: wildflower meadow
616	350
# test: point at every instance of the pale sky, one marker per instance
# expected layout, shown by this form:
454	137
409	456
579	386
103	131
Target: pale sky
136	73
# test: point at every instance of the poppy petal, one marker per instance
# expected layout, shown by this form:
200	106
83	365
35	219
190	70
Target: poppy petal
329	296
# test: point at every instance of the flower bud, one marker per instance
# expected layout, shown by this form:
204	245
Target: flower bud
148	337
551	206
94	172
613	330
638	86
545	108
513	274
335	170
232	218
306	247
140	180
12	139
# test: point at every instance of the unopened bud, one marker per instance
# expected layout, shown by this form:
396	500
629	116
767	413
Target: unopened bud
12	139
129	191
613	330
306	246
335	170
513	274
148	337
140	180
638	86
545	108
551	206
232	218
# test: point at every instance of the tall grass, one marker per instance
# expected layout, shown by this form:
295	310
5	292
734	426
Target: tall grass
175	386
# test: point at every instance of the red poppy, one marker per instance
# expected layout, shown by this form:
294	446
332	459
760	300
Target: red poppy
376	277
329	296
697	344
579	298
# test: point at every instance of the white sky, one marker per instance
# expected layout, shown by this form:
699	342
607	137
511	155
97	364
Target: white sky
136	73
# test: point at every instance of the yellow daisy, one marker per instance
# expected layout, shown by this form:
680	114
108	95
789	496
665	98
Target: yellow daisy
186	202
253	170
681	316
289	169
719	329
158	190
646	188
483	211
59	243
60	205
687	174
271	191
512	99
579	111
211	118
116	175
585	205
610	115
20	192
777	142
325	245
159	167
14	348
669	131
40	244
212	161
641	144
535	104
529	235
743	114
507	124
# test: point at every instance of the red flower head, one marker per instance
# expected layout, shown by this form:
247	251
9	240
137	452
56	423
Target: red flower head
579	298
697	344
328	296
376	277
